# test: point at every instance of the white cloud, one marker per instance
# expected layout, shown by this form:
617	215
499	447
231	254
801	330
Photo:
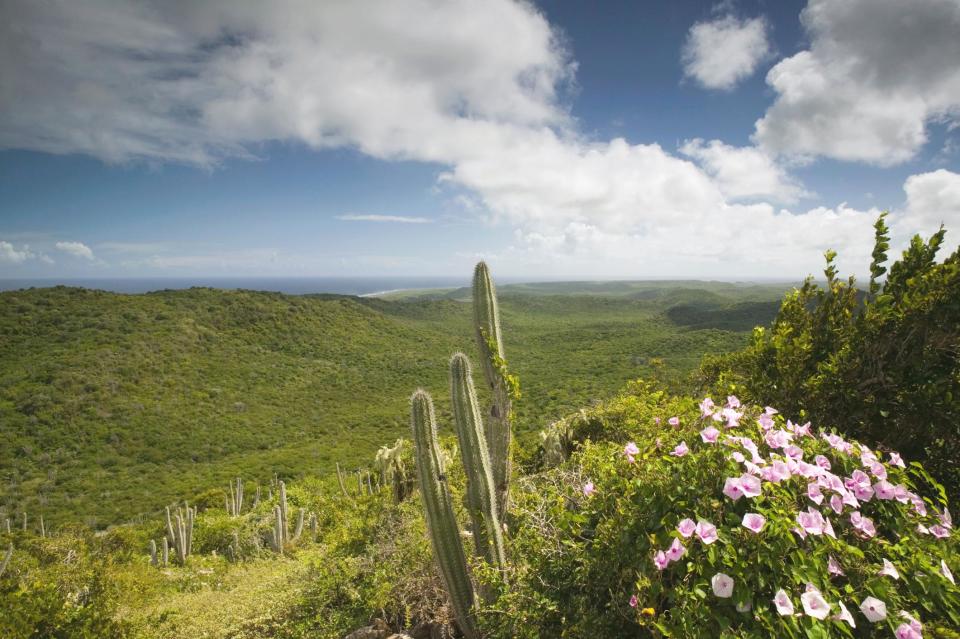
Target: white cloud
932	199
11	255
743	172
383	218
76	249
875	73
720	53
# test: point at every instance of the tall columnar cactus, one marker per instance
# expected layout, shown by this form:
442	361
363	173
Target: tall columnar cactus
235	505
43	529
277	536
284	527
153	553
343	485
438	508
180	532
392	469
481	496
166	552
486	318
299	529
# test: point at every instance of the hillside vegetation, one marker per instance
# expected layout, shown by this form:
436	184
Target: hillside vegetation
114	405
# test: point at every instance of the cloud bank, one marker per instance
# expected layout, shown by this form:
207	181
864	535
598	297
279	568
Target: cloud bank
720	53
402	219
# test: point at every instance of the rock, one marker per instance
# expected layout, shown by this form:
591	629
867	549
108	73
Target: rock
377	630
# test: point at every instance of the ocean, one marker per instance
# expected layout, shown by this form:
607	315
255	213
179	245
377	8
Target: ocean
290	285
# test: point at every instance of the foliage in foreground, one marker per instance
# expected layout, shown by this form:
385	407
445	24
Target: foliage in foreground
692	531
883	367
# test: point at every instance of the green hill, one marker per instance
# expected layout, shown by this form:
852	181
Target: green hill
114	405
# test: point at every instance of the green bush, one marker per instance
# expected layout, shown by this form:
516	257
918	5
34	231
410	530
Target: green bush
883	365
587	535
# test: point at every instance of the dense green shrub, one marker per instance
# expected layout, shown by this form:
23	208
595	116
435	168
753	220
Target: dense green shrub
882	365
588	535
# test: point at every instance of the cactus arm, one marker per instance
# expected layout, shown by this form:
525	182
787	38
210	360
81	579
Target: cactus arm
438	509
481	495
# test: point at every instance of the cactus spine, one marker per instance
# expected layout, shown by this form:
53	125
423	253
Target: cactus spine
438	508
486	316
481	496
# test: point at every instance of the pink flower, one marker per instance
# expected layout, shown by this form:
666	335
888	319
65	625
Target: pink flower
707	532
751	447
738	457
803	431
733	401
706	407
811	521
777	438
889	569
945	571
589	489
878	470
630	450
633	601
822	462
844	615
766	421
913	624
884	490
938	531
753	522
732	488
906	631
918	506
783	603
901	494
674	421
769	410
722	585
945	518
732	417
676	550
709	435
660	560
686	527
896	460
680	450
833	567
793	452
863	524
750	485
814	604
814	494
873	609
837	504
828	528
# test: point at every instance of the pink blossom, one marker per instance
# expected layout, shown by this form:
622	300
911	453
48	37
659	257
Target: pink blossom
945	571
896	460
822	462
945	518
803	431
733	401
732	417
850	499
709	435
686	527
844	615
884	490
630	450
938	531
722	585
833	567
766	421
732	488
738	457
770	410
800	532
828	528
901	494
750	485
674	421
753	522
811	521
633	601
814	604
919	506
706	407
660	560
923	529
878	470
793	452
867	458
707	532
752	468
783	603
589	489
914	625
873	609
837	504
814	494
777	438
676	550
656	420
680	450
906	631
751	447
889	569
777	472
863	524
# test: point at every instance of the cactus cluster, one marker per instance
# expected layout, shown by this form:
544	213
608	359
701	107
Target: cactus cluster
180	532
235	500
392	469
485	447
280	534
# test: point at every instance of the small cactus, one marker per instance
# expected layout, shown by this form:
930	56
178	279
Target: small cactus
438	509
6	560
166	552
235	501
153	553
180	532
343	485
299	529
276	538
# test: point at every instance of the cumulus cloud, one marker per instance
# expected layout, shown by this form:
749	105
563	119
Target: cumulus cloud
743	172
932	199
11	255
876	72
76	249
402	219
475	88
720	53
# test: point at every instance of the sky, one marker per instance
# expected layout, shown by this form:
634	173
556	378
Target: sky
556	139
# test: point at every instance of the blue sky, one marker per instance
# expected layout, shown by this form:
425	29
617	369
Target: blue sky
557	140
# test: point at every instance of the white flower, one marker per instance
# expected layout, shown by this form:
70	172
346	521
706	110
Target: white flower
814	604
845	615
946	571
889	569
783	603
722	585
873	609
